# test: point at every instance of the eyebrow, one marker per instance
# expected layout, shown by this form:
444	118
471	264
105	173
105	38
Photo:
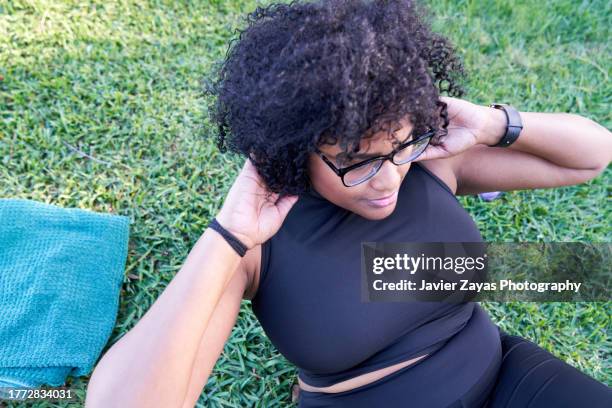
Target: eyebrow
343	155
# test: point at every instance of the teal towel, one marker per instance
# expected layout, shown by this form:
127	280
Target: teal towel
61	271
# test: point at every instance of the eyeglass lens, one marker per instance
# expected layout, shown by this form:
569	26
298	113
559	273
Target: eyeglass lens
407	154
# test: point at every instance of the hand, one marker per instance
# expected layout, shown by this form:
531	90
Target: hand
250	211
469	124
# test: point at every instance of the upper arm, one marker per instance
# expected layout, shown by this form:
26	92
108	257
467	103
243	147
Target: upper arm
482	168
216	334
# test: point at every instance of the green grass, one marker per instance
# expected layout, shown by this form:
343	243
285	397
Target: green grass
121	81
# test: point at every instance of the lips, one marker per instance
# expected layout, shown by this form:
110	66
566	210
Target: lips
382	198
383	202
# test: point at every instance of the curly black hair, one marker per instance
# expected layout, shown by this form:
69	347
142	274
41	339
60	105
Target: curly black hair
304	74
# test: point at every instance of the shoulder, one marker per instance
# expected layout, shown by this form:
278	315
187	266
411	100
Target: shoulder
444	169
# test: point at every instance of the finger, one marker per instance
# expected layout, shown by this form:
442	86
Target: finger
272	197
251	171
425	155
252	157
285	204
248	164
430	154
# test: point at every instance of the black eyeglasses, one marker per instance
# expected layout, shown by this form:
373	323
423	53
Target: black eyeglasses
359	172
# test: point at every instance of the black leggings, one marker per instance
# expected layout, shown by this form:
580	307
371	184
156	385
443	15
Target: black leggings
531	377
483	365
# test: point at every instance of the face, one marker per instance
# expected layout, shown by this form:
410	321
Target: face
358	198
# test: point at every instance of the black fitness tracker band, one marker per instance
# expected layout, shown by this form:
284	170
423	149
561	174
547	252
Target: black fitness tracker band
229	237
514	124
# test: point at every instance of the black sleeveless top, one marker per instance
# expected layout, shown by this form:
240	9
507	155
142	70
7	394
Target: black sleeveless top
309	296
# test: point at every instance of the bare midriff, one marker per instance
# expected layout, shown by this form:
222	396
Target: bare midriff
359	380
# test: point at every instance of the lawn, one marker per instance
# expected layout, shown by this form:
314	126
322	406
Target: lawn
101	107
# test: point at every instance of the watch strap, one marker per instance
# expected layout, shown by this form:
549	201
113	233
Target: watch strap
234	242
514	124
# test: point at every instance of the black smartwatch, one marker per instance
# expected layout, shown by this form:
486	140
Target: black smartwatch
514	124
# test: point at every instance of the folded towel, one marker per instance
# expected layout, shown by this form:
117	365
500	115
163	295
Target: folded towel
61	271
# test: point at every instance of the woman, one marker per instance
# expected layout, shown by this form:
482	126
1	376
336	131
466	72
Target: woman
337	106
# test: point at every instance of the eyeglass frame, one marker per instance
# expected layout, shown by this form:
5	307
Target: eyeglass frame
340	172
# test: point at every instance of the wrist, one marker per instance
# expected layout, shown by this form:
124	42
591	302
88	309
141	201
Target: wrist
494	127
227	224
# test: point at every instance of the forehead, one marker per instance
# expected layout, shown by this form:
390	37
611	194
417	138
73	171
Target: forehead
380	142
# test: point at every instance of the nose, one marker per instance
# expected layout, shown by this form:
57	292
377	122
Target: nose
388	177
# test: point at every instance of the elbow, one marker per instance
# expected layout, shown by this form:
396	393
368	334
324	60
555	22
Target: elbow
114	385
600	167
102	393
98	395
602	150
100	390
106	388
572	177
594	172
601	163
